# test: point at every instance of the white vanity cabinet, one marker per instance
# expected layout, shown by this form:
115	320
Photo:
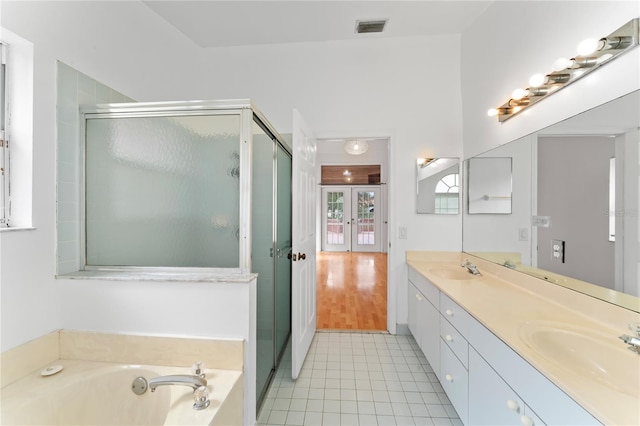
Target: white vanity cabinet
487	382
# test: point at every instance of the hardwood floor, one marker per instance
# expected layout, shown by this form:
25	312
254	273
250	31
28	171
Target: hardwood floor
352	291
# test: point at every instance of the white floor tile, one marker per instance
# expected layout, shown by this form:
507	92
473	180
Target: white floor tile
367	420
295	418
313	419
315	405
349	420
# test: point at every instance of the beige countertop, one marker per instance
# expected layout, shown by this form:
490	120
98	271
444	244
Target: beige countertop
508	303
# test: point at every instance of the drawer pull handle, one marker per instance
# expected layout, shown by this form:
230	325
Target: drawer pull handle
526	421
449	378
448	338
513	405
449	312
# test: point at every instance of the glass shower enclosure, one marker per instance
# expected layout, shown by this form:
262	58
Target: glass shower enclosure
197	185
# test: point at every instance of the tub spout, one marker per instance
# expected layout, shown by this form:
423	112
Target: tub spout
193	382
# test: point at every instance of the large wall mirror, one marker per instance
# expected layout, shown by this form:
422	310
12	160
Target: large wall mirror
438	185
575	219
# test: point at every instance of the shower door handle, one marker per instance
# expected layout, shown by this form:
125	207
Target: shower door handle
302	256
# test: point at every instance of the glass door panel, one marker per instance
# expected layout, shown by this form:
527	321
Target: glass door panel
366	223
336	232
262	258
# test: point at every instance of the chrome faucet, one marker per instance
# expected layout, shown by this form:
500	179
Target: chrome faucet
473	269
193	382
633	341
509	264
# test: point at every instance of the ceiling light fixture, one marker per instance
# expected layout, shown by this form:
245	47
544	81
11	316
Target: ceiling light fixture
592	53
356	147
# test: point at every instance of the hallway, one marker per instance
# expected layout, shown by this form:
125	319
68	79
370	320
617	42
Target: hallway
352	291
364	379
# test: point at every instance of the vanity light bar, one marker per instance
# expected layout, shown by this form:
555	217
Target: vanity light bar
592	53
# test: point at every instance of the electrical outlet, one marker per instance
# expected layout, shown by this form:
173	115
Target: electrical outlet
541	221
523	234
557	250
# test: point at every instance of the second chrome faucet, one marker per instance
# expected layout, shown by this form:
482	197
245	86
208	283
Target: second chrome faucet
473	269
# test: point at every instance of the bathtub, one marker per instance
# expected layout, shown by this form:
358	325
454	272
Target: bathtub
97	393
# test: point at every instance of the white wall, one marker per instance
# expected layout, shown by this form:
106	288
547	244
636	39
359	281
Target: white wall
132	59
513	40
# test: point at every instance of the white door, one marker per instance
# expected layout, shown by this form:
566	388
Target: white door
303	269
351	219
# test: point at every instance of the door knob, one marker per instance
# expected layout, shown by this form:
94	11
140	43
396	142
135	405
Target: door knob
289	255
302	256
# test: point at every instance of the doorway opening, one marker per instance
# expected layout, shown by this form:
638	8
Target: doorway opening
352	273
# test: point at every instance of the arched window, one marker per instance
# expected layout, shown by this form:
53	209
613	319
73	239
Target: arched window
447	190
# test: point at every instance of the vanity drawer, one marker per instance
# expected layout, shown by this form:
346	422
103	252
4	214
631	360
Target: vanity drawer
458	317
454	378
425	286
455	341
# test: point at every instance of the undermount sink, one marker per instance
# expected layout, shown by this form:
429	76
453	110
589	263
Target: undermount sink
599	357
452	273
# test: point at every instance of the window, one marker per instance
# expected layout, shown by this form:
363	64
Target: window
4	145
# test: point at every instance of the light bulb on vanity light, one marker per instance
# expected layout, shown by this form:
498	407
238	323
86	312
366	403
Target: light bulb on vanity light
493	112
537	80
562	64
588	46
519	94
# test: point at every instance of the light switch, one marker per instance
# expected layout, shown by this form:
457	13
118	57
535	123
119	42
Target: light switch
402	231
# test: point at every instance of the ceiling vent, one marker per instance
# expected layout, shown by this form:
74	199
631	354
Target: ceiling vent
363	27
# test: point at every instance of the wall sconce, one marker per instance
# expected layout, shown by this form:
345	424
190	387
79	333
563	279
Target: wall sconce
592	53
356	147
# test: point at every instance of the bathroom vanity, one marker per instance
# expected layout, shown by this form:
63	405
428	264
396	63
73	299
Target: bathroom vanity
510	349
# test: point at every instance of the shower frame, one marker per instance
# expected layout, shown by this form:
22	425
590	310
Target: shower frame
245	109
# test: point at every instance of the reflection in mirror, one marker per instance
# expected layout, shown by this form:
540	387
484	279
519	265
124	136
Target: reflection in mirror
438	185
489	185
573	182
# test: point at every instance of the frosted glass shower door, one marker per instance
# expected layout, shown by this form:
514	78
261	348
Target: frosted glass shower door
163	191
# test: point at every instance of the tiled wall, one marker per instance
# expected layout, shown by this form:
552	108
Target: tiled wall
74	89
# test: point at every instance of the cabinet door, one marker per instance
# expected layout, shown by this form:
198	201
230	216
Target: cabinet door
491	400
455	382
430	320
413	300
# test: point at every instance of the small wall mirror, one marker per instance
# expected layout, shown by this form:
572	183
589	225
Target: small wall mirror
489	185
438	185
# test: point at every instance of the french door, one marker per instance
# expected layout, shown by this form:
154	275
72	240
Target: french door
351	218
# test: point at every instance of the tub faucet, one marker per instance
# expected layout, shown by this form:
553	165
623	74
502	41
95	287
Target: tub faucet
473	269
193	382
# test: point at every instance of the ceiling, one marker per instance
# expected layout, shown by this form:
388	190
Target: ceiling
220	23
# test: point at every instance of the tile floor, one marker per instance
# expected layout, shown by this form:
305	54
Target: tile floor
358	379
